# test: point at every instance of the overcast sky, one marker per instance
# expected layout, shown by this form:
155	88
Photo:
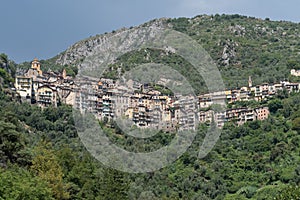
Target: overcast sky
44	28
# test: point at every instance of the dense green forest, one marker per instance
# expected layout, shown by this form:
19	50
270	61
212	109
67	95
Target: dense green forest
42	157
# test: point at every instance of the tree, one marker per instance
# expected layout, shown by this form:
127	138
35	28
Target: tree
18	183
274	105
45	165
11	142
296	124
3	60
114	184
5	76
293	64
288	193
7	68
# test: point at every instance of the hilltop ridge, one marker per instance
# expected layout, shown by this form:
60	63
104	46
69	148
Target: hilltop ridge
240	46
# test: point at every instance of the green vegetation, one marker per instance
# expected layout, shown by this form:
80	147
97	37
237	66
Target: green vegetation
240	46
130	60
41	156
7	70
264	49
163	90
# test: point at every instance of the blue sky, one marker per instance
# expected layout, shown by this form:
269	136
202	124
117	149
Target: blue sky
44	28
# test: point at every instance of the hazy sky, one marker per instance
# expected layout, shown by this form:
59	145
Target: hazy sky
44	28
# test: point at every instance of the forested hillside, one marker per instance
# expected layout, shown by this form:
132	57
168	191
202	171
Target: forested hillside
43	158
243	46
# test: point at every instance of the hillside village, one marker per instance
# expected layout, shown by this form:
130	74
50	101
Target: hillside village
144	106
167	130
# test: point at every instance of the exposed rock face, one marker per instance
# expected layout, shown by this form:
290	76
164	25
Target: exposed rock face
79	51
238	30
229	52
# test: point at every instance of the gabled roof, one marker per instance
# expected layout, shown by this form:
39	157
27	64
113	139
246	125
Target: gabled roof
47	86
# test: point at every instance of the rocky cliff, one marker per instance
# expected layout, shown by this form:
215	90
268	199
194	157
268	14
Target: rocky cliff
87	47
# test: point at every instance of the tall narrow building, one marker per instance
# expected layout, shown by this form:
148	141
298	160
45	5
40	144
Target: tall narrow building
249	82
36	65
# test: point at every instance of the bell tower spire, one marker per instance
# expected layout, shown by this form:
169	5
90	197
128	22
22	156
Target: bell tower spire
36	65
249	82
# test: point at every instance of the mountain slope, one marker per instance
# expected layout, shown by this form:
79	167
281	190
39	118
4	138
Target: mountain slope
241	46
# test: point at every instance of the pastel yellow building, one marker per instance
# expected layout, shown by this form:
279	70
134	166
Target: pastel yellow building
35	64
46	96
